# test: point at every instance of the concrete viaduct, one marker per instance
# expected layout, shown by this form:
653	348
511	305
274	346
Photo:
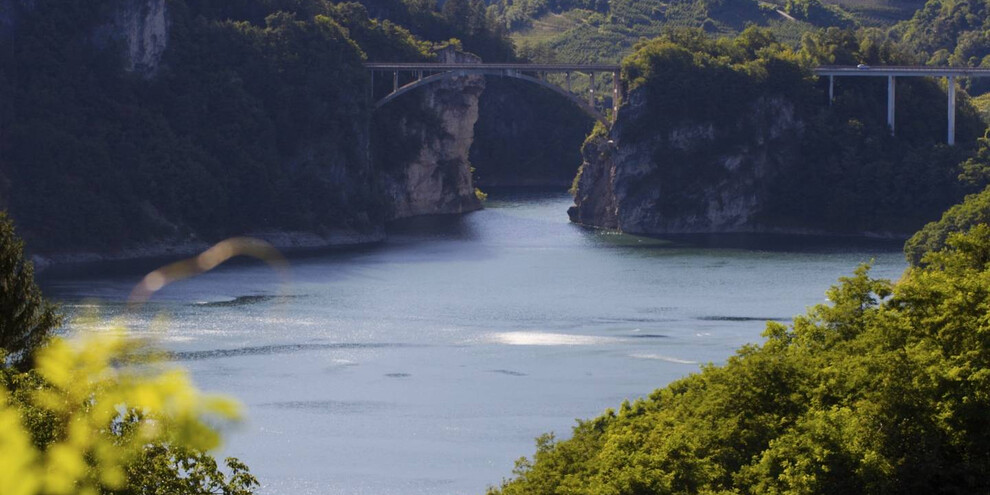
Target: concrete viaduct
421	74
893	72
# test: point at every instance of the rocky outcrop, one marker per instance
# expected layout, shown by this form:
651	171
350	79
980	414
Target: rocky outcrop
436	179
143	26
697	177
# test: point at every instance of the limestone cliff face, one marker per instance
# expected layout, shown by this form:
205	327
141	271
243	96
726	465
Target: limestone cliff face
698	177
143	26
437	178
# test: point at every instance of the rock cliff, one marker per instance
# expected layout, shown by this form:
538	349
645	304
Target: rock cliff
436	126
699	177
143	26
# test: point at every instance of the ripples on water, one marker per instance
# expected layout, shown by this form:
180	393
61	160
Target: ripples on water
429	364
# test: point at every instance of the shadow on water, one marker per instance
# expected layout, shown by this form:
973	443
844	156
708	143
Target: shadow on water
246	301
431	227
740	318
270	349
332	406
785	243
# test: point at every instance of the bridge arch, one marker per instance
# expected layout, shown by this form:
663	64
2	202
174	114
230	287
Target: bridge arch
583	105
440	72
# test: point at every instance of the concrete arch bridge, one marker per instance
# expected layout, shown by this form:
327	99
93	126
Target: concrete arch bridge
422	74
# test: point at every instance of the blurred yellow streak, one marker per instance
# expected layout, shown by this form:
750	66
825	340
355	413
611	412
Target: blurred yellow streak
206	261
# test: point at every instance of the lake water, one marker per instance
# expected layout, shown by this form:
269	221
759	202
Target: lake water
427	365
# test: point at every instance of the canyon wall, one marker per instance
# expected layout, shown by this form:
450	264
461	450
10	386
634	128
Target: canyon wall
435	125
707	176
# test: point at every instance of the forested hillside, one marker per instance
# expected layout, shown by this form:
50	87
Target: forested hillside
247	117
583	30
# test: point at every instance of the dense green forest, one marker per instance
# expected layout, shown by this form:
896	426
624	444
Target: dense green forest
230	134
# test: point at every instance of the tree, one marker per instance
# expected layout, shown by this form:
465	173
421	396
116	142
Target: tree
457	13
26	318
100	415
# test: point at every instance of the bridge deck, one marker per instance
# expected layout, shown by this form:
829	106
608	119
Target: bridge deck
389	66
901	70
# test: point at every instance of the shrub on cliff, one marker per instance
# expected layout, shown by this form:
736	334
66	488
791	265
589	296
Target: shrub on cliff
883	390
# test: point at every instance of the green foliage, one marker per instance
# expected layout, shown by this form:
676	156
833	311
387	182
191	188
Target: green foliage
974	210
950	32
162	469
27	320
819	14
607	31
881	391
99	415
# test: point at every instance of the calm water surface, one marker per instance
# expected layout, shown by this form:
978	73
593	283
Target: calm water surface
429	364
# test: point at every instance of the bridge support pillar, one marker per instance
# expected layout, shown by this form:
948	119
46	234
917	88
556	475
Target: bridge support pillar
890	103
395	81
952	109
567	78
591	90
831	90
616	81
